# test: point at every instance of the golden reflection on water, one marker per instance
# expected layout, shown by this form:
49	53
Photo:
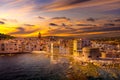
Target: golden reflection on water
72	68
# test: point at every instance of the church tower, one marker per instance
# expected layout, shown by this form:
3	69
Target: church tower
39	35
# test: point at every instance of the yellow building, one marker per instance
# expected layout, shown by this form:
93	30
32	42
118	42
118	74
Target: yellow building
75	46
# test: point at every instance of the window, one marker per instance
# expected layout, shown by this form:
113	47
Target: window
3	49
2	45
89	56
10	48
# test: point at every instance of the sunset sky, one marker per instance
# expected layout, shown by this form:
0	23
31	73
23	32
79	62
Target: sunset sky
25	18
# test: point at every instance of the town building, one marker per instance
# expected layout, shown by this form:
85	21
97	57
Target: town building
91	53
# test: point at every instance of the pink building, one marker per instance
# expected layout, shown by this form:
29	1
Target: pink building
21	45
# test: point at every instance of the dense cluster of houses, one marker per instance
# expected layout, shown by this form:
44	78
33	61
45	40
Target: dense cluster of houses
108	50
105	46
70	46
61	46
21	45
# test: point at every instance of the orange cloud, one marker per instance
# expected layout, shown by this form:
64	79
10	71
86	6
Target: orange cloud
70	4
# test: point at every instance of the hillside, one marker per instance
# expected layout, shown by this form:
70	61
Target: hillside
5	36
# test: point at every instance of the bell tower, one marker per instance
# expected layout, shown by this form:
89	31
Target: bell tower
39	35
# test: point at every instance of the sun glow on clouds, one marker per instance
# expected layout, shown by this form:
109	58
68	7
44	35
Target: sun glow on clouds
25	18
6	30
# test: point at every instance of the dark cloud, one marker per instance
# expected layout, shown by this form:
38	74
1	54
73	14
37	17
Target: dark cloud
59	31
83	30
117	20
109	24
67	26
28	25
63	3
61	18
1	22
99	29
21	30
53	24
110	29
63	25
91	19
41	17
72	2
85	25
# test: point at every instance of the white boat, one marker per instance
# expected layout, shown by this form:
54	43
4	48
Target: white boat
38	52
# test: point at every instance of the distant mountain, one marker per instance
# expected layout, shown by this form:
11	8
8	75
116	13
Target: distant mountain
5	36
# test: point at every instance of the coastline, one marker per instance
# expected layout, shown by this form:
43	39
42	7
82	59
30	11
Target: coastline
15	53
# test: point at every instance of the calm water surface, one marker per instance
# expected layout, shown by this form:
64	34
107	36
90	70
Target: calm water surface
33	67
45	67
